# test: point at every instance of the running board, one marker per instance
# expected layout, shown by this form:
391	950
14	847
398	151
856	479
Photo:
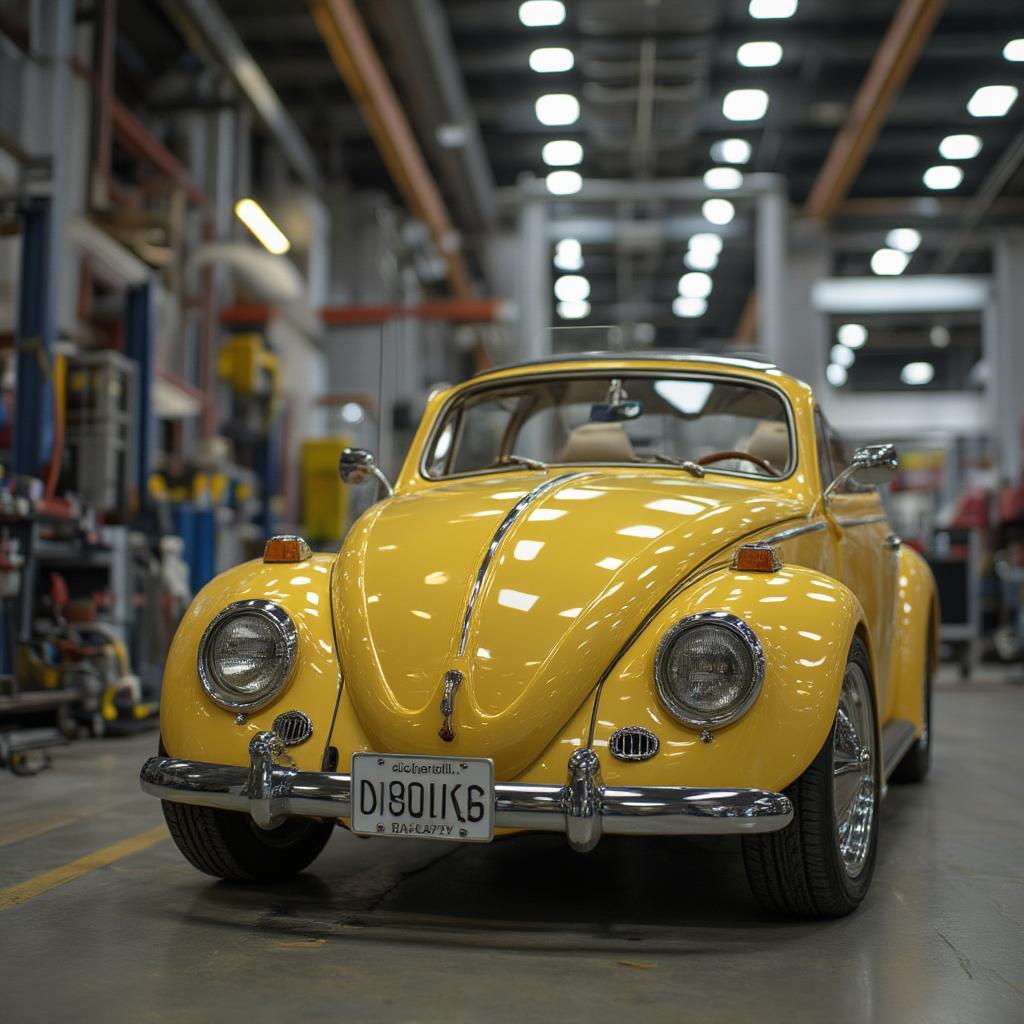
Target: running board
897	739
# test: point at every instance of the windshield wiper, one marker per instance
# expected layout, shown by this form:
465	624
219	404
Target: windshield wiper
522	460
691	467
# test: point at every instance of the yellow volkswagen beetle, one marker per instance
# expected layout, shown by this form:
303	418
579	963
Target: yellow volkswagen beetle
608	594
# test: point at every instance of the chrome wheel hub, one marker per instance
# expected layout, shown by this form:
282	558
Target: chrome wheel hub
853	771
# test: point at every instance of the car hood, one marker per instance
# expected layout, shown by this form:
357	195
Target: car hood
529	585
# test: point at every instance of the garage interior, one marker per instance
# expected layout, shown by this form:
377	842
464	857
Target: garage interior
239	236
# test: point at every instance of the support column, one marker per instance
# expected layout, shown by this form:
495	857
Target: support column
1004	355
772	214
800	347
138	346
533	282
36	334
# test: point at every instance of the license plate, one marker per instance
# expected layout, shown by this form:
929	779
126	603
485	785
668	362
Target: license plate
423	797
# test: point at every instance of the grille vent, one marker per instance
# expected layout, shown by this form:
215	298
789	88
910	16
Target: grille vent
633	743
293	728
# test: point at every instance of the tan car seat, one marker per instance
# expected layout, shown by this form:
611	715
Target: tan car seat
597	442
769	441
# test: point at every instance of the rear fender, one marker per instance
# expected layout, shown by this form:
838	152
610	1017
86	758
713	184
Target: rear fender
806	622
193	727
917	636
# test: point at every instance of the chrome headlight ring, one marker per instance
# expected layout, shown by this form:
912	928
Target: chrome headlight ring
688	715
286	648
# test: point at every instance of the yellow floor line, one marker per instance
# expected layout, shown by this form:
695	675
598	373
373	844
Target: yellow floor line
21	893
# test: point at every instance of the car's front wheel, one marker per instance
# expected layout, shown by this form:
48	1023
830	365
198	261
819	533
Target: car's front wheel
821	864
229	845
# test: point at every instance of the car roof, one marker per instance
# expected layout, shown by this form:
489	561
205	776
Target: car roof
748	361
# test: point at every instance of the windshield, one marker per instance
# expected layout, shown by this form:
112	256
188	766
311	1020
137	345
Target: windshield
698	422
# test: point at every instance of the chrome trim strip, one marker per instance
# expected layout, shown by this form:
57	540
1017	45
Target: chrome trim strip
681	713
583	808
506	524
897	738
796	531
848	521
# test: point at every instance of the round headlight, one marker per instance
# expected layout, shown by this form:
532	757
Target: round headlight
709	669
246	655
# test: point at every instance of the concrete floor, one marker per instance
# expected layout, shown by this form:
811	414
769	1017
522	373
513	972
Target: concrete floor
403	930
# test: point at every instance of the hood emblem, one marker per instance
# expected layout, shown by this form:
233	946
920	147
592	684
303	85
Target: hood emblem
452	681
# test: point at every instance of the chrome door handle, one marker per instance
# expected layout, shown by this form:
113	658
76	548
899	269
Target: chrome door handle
893	542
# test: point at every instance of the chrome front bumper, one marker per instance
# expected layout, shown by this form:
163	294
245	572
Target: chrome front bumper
584	809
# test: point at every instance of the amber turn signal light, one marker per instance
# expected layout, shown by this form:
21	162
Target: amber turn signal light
286	548
757	558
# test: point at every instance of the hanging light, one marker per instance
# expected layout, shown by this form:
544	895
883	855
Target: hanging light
562	153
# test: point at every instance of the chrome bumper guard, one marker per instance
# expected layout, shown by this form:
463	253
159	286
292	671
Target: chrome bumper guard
584	809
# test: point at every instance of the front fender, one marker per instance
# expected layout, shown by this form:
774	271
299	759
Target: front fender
805	621
195	728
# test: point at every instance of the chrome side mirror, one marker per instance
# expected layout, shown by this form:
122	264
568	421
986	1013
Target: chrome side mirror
357	465
874	465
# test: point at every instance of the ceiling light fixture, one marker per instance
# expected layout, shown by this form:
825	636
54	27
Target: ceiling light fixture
562	153
745	104
572	288
762	9
835	374
564	183
959	147
942	177
706	241
889	262
730	151
701	259
569	255
722	179
549	59
695	285
905	239
542	13
852	335
574	310
1014	50
842	356
687	307
764	54
557	108
916	374
718	211
992	100
256	219
939	336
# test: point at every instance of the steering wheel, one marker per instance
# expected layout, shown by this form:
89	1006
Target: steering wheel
706	460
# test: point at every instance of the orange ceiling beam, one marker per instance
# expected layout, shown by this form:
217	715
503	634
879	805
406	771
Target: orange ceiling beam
898	53
354	55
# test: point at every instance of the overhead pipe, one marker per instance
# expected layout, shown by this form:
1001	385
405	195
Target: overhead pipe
896	57
354	55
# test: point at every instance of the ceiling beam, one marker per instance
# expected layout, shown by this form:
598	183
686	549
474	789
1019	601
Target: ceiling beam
427	69
354	55
898	53
223	40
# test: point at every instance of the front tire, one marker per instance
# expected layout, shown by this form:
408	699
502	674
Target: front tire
821	864
230	845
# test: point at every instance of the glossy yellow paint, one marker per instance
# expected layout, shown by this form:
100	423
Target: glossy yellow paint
572	577
805	622
193	727
579	590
